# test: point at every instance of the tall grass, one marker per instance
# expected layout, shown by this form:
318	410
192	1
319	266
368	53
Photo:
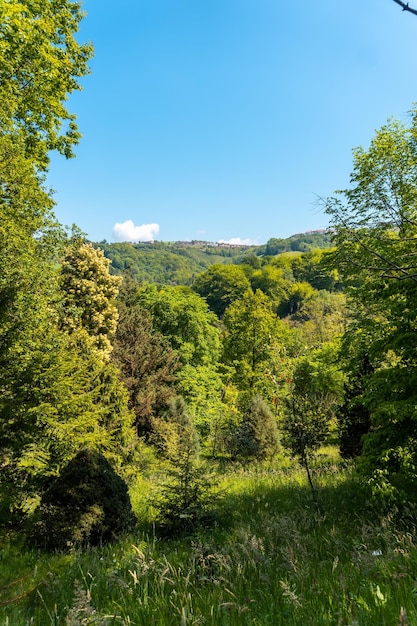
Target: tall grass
274	558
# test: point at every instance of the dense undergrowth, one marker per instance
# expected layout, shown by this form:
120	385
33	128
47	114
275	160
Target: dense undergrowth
273	557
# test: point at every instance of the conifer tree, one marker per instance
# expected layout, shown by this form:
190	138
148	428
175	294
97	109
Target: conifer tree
185	496
146	361
256	437
60	397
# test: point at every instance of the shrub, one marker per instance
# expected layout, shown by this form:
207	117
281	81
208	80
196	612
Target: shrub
87	504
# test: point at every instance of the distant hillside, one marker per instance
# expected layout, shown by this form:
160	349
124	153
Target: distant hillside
177	263
301	242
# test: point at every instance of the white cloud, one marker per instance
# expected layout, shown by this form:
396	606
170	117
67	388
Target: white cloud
127	231
237	241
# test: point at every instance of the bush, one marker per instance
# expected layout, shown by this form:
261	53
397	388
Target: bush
87	504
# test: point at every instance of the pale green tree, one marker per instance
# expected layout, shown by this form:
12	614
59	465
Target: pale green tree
183	317
271	280
254	340
41	62
256	435
90	293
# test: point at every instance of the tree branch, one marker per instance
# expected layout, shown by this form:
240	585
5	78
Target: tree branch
405	6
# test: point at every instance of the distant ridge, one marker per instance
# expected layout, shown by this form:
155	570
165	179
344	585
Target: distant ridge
179	262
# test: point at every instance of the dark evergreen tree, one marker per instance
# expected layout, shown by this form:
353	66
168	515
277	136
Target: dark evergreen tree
88	503
256	437
147	362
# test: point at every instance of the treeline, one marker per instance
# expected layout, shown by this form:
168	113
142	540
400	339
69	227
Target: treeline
179	263
95	362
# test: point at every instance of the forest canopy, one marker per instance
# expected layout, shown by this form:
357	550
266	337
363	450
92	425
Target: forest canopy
160	350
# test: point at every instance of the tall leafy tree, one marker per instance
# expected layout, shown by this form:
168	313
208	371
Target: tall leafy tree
221	285
56	392
90	293
375	222
183	317
41	62
270	279
253	341
191	329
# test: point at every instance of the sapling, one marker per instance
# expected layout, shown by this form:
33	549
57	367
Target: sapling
315	391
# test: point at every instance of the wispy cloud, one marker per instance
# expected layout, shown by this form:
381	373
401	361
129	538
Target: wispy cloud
127	231
237	241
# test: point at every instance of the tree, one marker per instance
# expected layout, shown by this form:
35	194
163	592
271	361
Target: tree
90	294
256	436
405	6
270	279
375	223
375	219
321	317
353	416
185	495
87	504
56	392
41	62
311	267
316	389
298	295
211	402
182	316
252	343
57	395
221	285
146	360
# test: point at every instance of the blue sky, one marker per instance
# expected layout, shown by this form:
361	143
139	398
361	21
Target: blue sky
226	119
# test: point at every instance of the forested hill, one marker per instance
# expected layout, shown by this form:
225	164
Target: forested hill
177	263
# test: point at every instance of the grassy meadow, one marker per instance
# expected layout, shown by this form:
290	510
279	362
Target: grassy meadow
273	557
